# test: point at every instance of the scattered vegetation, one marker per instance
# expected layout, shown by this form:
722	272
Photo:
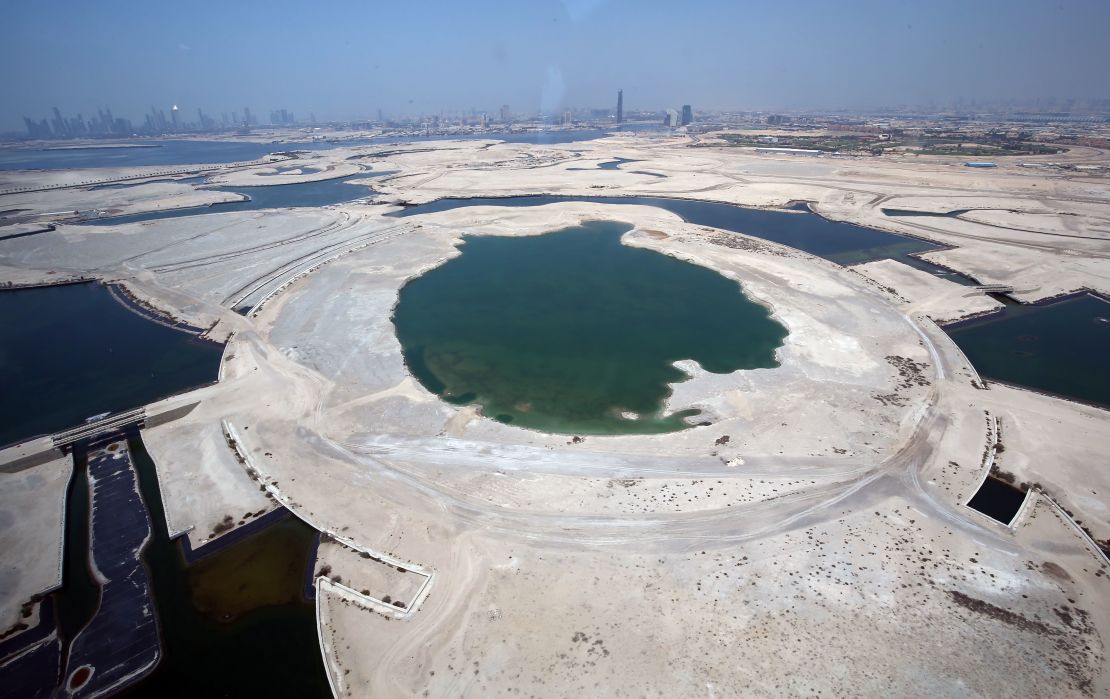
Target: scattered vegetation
226	524
938	141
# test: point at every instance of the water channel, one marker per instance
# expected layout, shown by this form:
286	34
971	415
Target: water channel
278	196
843	243
172	152
74	351
235	623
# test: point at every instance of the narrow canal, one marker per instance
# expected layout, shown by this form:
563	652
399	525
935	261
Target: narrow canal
843	243
235	623
299	194
238	621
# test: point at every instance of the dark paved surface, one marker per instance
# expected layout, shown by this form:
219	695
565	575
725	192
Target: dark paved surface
33	674
45	627
121	642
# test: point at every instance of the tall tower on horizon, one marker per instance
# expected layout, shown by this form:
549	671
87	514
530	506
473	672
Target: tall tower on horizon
620	106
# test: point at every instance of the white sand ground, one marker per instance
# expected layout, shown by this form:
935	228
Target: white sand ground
285	172
203	485
824	548
921	292
58	205
32	513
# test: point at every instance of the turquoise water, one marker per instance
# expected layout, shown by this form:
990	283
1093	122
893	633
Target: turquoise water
566	331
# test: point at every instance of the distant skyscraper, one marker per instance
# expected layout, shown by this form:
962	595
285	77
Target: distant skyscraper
505	114
173	116
60	126
37	129
620	106
281	116
687	114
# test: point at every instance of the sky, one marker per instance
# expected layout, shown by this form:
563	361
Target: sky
347	59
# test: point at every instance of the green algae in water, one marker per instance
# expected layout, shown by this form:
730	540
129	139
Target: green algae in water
566	331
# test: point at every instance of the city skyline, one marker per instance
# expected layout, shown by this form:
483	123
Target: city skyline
547	57
58	124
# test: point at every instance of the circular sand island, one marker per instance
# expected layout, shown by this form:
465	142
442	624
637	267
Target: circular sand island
835	377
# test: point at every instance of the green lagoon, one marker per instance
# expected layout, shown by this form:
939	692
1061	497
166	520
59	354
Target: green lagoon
573	332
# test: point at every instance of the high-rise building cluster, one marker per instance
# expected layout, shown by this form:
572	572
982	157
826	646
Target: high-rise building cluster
103	124
155	122
159	121
281	116
671	117
674	118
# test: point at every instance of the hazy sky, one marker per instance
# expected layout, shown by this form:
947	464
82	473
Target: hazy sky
348	59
